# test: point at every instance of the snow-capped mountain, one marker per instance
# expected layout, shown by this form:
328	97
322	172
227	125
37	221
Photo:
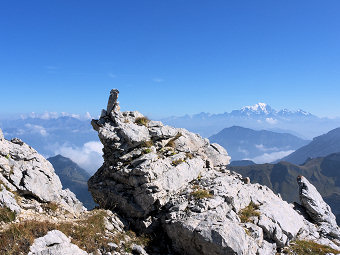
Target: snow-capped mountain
258	116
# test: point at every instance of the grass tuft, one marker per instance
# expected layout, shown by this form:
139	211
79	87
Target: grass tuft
250	211
199	193
177	162
87	234
147	144
171	143
303	247
142	121
6	215
50	206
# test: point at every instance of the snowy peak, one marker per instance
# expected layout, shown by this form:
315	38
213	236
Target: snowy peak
259	108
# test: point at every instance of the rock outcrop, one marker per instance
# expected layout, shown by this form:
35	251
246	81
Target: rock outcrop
170	180
56	243
25	171
317	209
146	163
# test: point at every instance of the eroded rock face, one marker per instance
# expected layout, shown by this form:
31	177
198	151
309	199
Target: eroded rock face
214	222
56	243
146	162
25	171
317	209
171	178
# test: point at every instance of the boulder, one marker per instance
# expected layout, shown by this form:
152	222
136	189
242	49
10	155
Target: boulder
24	170
317	209
56	243
7	199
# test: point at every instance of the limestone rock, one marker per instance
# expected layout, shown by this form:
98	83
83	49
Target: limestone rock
317	209
146	162
7	199
24	170
56	243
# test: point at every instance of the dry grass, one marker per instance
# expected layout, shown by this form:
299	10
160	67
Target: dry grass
199	193
302	247
147	144
177	162
50	206
6	215
250	211
142	121
171	143
88	234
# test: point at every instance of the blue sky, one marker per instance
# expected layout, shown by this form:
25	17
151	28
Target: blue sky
169	57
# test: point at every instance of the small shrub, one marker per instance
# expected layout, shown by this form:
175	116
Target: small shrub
200	194
146	151
250	211
177	162
6	215
303	247
142	121
8	156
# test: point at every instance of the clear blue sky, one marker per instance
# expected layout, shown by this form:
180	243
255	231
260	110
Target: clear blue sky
169	57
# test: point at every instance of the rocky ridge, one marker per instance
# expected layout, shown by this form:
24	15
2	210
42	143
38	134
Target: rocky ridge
38	216
168	180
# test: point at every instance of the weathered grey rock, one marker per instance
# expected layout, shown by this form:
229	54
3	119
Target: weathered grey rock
24	170
318	210
278	222
138	249
146	164
7	199
112	103
55	243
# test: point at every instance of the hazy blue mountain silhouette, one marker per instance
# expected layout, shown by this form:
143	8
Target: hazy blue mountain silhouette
321	146
74	178
245	143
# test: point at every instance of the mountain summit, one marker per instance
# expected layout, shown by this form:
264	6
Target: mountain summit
176	185
258	116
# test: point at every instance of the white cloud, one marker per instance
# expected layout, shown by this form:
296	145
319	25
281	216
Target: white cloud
270	157
36	129
271	121
88	116
55	115
261	147
89	156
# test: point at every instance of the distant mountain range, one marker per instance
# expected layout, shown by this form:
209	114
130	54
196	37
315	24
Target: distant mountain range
259	146
321	146
323	172
258	116
74	178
